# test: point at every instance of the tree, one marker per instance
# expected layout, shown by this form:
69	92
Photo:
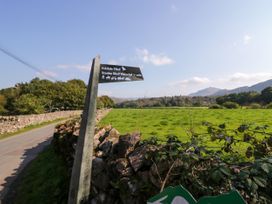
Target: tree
28	104
269	106
255	106
3	102
107	101
231	105
266	95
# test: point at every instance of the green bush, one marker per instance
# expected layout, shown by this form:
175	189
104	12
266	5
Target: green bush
255	106
3	102
215	106
29	104
231	105
269	106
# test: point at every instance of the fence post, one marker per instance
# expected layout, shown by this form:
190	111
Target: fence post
80	182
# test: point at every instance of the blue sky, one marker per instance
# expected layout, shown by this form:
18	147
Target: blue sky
181	46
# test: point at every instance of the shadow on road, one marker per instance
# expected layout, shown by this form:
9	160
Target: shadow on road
9	187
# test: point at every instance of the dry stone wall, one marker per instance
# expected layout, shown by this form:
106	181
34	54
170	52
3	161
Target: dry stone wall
9	124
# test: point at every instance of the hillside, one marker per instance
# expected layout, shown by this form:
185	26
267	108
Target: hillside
212	91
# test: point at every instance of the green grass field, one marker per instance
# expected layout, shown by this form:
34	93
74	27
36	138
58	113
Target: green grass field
177	121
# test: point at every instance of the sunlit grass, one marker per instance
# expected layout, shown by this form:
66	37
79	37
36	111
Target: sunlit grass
178	121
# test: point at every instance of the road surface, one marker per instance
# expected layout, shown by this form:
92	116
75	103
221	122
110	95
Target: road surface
17	151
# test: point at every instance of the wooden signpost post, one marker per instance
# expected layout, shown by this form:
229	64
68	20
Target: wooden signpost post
81	173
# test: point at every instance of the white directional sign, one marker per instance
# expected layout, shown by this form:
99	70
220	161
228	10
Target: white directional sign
118	73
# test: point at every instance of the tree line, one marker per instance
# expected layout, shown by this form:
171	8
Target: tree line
41	96
249	99
254	99
168	101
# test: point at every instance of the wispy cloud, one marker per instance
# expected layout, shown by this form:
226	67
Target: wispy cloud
235	80
248	78
81	67
191	81
247	39
155	59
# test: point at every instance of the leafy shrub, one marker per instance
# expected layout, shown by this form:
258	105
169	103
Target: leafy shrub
29	104
3	102
231	105
215	106
269	106
206	172
255	106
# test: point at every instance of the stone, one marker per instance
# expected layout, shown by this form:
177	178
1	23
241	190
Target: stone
100	178
122	168
130	191
14	123
105	148
144	175
131	187
99	134
126	144
99	154
103	198
109	138
101	181
98	166
113	136
138	157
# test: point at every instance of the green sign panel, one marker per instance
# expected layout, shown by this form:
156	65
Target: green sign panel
179	195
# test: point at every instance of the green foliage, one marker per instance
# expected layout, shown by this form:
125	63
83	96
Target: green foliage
3	102
215	106
46	180
47	96
11	94
28	104
247	98
242	99
255	106
269	106
104	102
203	171
256	138
173	101
266	95
231	105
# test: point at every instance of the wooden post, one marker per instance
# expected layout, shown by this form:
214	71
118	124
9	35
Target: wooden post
80	182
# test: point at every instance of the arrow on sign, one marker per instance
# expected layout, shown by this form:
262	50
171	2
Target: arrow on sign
118	73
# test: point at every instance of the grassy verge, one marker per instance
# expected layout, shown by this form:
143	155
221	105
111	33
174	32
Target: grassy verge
31	127
44	181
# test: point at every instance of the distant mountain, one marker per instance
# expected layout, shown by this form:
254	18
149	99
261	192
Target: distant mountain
206	92
211	91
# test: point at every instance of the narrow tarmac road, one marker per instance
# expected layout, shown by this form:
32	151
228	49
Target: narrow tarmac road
17	151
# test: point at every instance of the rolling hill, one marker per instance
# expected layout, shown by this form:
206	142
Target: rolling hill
212	91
